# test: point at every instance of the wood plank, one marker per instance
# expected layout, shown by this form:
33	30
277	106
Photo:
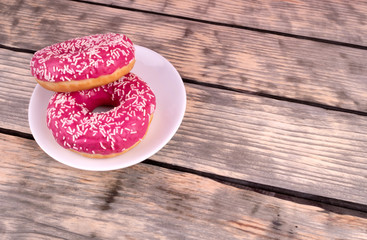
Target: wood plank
236	58
43	199
14	67
335	20
267	141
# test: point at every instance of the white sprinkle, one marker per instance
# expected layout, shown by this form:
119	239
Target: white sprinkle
103	132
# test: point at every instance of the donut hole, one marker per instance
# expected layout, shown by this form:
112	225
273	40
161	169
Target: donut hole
103	108
103	104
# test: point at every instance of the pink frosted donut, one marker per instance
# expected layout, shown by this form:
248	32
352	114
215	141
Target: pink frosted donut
83	63
107	134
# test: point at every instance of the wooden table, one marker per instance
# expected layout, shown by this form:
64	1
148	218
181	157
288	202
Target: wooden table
273	144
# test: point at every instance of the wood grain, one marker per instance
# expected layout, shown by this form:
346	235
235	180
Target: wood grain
335	20
43	199
236	58
14	68
267	141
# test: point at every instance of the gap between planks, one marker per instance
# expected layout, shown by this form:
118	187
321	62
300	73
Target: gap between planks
238	90
276	192
283	34
336	20
276	97
147	202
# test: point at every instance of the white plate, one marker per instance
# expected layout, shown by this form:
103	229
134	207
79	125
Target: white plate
170	93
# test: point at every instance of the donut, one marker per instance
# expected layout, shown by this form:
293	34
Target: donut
75	126
83	63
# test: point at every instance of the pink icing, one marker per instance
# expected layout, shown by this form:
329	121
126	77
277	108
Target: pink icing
75	126
82	58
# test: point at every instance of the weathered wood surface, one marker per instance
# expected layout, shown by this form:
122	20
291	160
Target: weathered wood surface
336	20
42	199
14	67
238	58
267	141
